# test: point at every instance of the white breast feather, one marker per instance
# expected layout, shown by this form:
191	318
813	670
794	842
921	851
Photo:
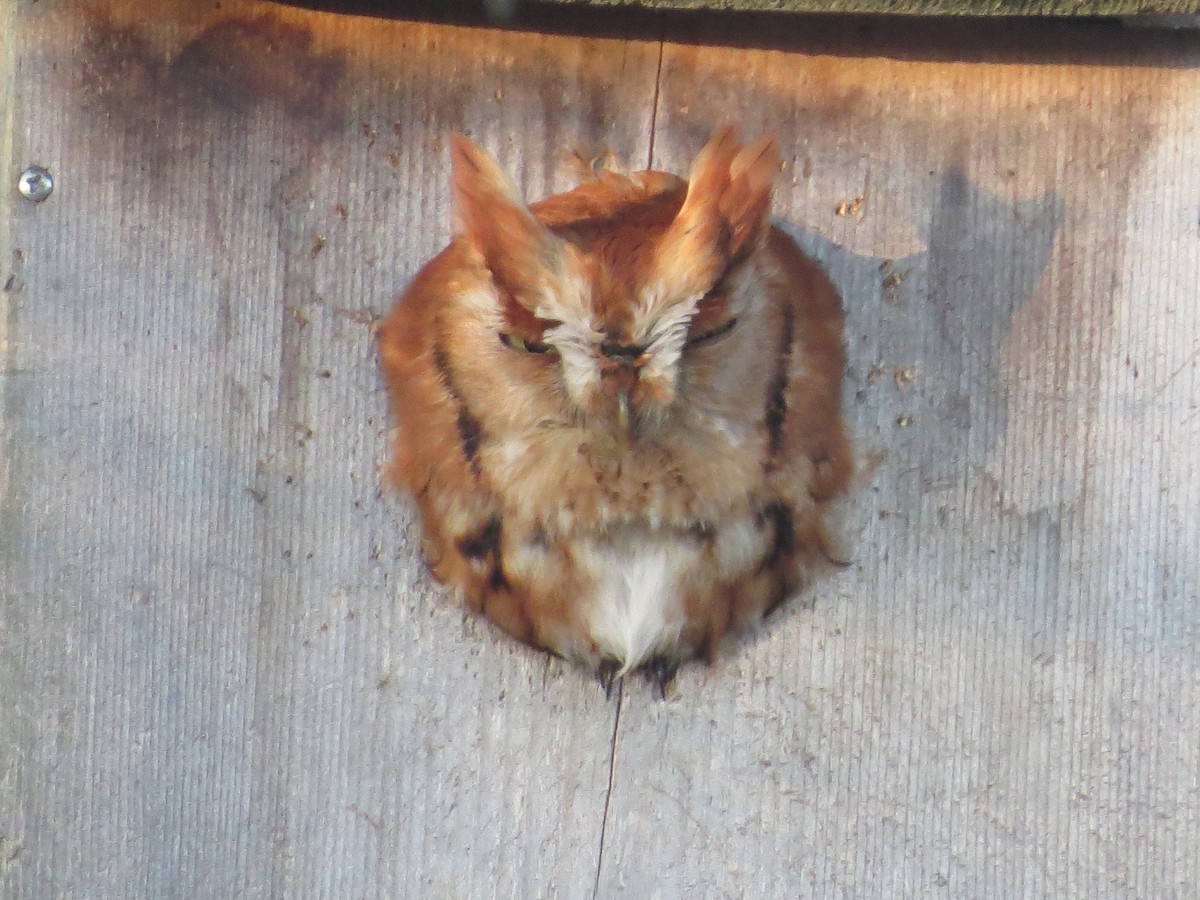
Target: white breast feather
636	609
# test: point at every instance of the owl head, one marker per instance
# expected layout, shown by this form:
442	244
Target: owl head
607	289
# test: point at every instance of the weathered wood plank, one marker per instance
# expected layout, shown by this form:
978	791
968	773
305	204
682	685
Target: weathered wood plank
910	7
231	675
994	700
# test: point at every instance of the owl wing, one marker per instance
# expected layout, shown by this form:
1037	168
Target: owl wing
810	460
435	438
810	451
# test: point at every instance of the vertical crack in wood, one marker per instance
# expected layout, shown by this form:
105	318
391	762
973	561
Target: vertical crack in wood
612	768
612	750
654	102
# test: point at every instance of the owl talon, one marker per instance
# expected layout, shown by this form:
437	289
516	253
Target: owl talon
661	672
606	674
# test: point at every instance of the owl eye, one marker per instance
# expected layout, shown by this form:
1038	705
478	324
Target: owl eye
512	342
713	334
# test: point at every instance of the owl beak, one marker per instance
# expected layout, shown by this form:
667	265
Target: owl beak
621	380
623	413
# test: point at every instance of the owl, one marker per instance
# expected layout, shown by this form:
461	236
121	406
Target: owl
618	408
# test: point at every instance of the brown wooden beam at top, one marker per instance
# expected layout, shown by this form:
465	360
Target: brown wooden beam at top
1172	12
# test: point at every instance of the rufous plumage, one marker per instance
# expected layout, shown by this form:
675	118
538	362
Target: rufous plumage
618	408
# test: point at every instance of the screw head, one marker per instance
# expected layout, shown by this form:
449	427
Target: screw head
35	184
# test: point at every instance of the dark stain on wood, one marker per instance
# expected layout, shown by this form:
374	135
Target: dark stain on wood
242	62
228	68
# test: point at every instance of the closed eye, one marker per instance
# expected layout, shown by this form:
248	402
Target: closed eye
713	334
512	342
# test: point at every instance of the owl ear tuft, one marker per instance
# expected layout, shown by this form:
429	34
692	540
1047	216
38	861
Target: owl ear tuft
519	251
745	204
728	203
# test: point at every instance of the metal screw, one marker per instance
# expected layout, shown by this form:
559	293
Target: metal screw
36	184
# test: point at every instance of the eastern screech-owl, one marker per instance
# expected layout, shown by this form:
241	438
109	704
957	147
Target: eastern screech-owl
618	408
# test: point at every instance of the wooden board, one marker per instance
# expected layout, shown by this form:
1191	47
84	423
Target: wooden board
231	675
994	702
916	7
223	669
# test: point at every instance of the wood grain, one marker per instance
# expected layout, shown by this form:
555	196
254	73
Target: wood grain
915	7
991	702
223	671
233	678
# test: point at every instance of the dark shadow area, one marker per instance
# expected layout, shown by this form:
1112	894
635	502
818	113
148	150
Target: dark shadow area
955	301
1033	41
